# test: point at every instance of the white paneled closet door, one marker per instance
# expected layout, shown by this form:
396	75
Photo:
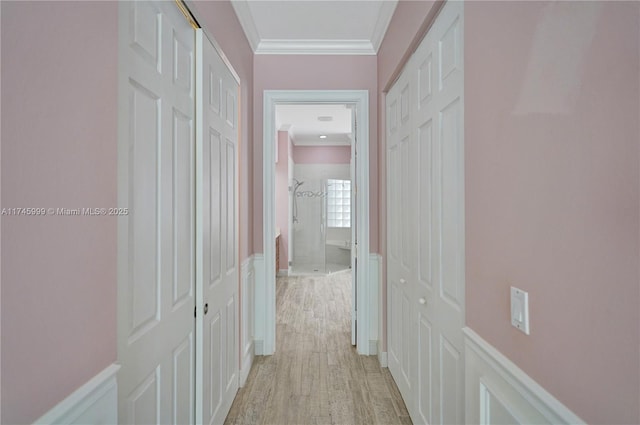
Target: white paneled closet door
433	289
155	241
402	204
217	235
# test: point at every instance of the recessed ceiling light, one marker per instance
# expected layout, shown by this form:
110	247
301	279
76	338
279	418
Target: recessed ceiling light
323	137
325	118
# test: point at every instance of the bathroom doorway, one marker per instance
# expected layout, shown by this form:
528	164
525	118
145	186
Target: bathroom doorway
315	209
364	310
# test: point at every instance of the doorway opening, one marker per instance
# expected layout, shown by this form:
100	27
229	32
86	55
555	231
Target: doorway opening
317	242
315	206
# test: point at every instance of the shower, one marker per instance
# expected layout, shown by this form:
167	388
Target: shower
297	184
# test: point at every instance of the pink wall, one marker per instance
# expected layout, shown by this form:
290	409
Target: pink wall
282	196
315	72
552	193
219	18
322	154
552	189
59	140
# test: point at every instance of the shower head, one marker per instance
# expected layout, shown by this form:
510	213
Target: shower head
297	183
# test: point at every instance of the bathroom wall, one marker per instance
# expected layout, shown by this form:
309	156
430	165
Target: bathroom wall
322	154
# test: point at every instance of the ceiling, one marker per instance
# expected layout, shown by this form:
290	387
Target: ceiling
354	27
305	128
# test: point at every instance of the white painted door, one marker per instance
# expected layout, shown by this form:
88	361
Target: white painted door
155	241
433	82
401	201
217	171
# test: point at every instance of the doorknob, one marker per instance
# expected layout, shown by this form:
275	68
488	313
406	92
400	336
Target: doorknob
206	308
403	281
422	301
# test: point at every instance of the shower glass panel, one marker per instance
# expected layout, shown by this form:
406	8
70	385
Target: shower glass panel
308	224
320	225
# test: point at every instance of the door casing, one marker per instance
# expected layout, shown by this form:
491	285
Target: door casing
265	313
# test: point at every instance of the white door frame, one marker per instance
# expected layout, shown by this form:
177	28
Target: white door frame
266	311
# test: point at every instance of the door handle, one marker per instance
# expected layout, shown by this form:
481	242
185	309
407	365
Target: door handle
403	281
206	308
422	301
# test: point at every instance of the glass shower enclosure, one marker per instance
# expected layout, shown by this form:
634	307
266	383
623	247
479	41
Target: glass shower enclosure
321	226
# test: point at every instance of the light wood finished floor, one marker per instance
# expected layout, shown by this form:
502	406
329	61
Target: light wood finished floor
316	376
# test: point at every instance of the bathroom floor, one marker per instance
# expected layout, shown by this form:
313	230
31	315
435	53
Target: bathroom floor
316	269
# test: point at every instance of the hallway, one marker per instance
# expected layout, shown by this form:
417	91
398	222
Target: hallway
316	376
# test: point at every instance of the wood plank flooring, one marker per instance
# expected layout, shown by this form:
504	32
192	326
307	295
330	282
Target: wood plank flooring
316	377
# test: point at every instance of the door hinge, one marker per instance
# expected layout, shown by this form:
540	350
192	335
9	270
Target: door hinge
194	311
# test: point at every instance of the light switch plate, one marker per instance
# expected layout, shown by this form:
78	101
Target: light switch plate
520	309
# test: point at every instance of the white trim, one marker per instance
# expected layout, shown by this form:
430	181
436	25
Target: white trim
314	47
387	8
259	313
266	287
489	370
247	279
375	272
309	46
258	346
243	12
94	402
383	359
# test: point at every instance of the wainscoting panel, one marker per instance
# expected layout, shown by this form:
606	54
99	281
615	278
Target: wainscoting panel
498	392
260	307
96	402
247	279
375	310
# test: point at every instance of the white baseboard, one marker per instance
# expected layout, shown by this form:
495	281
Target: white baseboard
383	359
247	362
95	402
496	390
258	346
373	347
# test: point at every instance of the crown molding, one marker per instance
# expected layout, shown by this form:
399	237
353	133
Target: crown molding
243	12
315	47
382	24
